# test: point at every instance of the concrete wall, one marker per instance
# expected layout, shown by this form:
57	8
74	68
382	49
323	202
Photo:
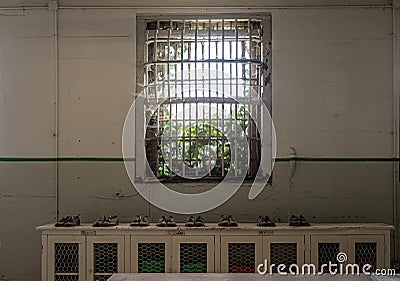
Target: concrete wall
332	98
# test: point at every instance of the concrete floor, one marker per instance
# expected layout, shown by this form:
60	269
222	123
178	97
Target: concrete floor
238	277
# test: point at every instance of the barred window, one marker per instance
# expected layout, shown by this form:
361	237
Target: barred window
230	54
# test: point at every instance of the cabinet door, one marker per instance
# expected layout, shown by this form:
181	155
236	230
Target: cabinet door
193	254
325	249
105	256
367	249
66	258
285	250
151	254
240	254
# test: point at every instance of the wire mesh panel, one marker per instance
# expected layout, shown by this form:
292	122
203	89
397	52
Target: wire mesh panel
193	257
67	278
66	262
283	253
241	257
151	257
366	253
105	260
102	277
327	252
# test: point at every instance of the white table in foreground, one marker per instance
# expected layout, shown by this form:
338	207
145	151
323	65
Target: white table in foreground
236	277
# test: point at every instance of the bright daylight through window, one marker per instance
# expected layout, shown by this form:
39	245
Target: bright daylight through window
197	122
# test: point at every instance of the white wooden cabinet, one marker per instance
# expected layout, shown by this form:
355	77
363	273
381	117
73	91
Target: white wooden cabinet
359	249
85	253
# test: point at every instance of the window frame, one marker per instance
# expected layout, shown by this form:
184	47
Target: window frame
141	19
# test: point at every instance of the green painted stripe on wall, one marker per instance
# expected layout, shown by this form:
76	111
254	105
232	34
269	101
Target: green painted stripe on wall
120	159
64	159
338	159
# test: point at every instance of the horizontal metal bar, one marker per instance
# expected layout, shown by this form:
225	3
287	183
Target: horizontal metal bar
250	61
191	40
210	79
213	100
197	138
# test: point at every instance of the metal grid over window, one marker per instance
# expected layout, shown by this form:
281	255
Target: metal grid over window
327	252
232	50
241	257
105	260
151	257
366	254
283	253
193	257
66	261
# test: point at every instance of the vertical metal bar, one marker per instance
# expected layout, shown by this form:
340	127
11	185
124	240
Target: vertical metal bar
183	102
223	101
203	81
230	104
146	57
169	93
160	109
189	137
209	98
176	46
155	54
218	94
176	104
174	126
146	80
250	108
237	89
155	87
197	104
267	96
259	83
